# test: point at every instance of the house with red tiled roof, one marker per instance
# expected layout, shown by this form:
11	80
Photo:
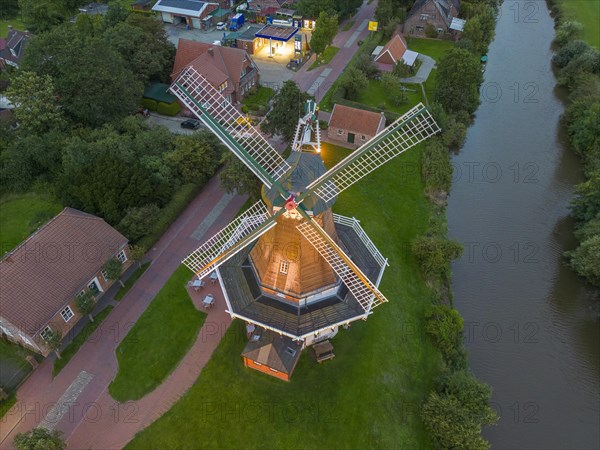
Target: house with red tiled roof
437	13
41	279
12	49
353	127
230	70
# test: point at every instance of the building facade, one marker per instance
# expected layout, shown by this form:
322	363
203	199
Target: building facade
353	127
437	13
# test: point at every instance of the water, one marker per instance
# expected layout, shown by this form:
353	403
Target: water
532	328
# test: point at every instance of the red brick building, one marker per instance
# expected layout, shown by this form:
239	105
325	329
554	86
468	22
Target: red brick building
438	13
41	278
353	127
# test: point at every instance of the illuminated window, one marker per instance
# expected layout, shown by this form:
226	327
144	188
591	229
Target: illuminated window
283	267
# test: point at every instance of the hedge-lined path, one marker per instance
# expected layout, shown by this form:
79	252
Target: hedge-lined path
95	420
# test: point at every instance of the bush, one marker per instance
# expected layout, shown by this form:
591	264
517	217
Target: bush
366	66
138	222
354	81
570	51
152	105
168	109
583	126
434	254
40	439
444	326
394	88
586	203
454	134
585	63
585	260
435	167
568	31
430	31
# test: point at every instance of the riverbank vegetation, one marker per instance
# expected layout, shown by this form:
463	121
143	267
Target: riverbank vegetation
577	66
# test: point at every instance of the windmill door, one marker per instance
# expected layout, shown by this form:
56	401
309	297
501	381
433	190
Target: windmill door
351	138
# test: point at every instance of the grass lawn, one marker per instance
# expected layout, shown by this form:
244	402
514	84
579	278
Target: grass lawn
6	404
20	215
587	12
369	396
16	23
259	99
326	57
157	342
376	96
71	349
434	48
131	281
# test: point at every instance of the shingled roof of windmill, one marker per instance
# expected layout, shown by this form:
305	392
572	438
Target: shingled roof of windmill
306	167
249	301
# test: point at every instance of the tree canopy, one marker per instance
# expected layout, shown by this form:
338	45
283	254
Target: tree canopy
40	439
458	79
288	106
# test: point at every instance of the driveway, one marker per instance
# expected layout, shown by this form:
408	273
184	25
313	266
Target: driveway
428	64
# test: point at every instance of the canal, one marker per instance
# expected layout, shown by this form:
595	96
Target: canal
531	326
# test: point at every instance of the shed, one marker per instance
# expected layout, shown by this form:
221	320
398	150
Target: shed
272	354
354	126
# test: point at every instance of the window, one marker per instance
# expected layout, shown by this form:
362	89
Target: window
46	333
104	275
440	30
122	257
67	314
93	287
424	16
363	138
283	267
81	294
419	28
340	132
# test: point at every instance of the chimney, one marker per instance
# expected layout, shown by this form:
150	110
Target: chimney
211	51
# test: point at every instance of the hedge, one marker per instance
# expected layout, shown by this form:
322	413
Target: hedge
152	105
168	109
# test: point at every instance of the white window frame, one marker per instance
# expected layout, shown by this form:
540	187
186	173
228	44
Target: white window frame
45	331
65	312
363	137
123	255
340	132
81	294
440	30
284	267
424	17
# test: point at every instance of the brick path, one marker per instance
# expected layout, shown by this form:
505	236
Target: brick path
95	420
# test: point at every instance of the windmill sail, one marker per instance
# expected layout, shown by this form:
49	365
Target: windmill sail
365	292
230	240
407	131
229	125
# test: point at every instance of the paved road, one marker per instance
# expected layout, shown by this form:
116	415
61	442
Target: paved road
318	81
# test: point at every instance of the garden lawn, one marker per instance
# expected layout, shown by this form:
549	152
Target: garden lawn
131	281
326	57
16	23
369	396
434	48
71	349
377	97
259	99
587	12
158	341
20	215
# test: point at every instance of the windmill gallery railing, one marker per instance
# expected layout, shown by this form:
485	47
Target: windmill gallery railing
354	223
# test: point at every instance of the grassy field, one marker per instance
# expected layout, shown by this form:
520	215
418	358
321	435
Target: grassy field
131	281
377	97
158	340
434	48
369	396
20	215
588	13
326	57
71	349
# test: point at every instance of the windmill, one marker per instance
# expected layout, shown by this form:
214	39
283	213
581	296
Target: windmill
288	264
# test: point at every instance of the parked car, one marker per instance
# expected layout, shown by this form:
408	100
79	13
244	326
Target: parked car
222	26
190	124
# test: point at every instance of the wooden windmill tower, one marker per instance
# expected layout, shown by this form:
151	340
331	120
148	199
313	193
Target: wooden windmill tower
288	264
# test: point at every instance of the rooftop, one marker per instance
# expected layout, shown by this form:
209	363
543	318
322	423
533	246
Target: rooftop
356	120
276	33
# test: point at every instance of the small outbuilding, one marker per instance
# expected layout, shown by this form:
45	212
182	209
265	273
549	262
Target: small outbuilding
188	12
271	353
392	53
353	126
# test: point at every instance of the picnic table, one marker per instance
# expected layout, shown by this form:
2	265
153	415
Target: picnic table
196	284
214	277
208	301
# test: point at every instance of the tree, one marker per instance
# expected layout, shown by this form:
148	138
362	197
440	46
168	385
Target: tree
454	133
9	9
40	439
394	88
115	14
85	304
365	64
480	30
312	8
53	338
583	120
42	16
586	204
288	106
456	413
435	168
113	269
139	221
35	113
574	48
325	31
568	31
354	82
236	177
194	159
434	254
431	31
458	79
137	253
585	260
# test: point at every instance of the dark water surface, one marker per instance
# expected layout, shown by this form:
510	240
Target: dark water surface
532	328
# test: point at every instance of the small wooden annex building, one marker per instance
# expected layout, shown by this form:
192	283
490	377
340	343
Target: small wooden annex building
272	354
353	127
